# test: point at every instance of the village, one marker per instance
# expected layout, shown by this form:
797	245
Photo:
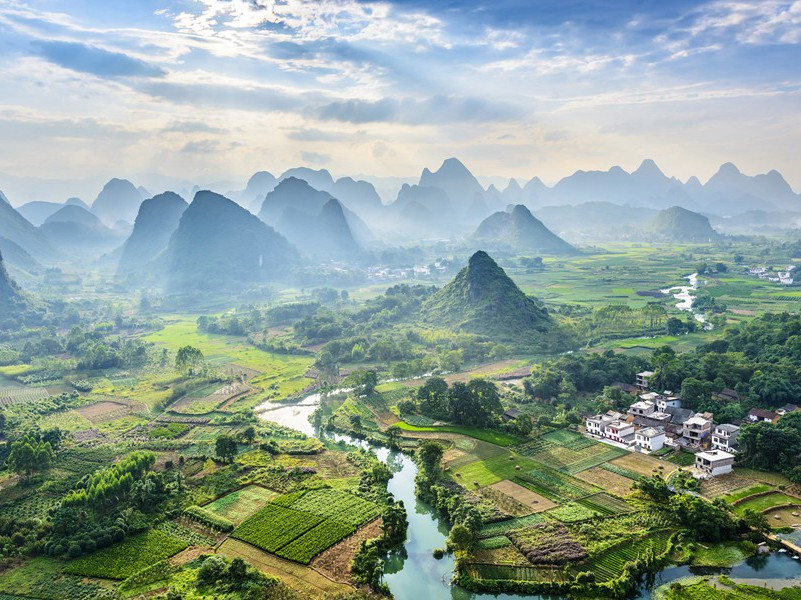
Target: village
657	421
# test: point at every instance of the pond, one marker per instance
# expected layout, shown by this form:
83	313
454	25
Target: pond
414	574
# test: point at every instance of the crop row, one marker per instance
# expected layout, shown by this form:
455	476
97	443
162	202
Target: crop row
605	504
491	543
610	563
314	541
624	472
209	519
569	439
572	512
126	558
558	485
339	506
501	527
179	532
275	526
607	454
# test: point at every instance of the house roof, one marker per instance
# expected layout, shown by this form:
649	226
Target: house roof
680	415
728	427
650	432
512	412
789	408
697	420
645	374
762	413
729	393
642	404
714	455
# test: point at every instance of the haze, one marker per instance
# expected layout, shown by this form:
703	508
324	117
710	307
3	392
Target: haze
214	90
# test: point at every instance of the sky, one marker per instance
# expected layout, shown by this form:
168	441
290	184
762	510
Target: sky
207	89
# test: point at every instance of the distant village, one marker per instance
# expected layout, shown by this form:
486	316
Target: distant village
657	420
784	277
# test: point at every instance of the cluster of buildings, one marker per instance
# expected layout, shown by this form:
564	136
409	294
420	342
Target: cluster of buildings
783	277
658	420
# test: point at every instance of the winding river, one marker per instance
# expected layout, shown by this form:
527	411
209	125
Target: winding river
414	574
683	294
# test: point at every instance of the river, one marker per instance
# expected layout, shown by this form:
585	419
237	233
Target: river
683	294
414	573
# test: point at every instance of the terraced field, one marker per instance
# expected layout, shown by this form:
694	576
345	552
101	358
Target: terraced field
609	564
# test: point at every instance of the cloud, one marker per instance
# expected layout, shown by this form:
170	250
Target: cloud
96	61
191	127
200	147
410	111
313	158
316	135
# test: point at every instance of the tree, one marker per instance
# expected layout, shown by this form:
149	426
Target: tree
28	456
249	434
430	453
395	523
432	397
460	538
363	381
225	448
393	435
356	421
655	487
188	359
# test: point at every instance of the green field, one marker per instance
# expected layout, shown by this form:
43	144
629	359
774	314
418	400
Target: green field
486	435
761	503
126	558
299	525
241	504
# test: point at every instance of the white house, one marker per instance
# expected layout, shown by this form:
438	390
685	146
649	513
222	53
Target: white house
619	431
596	423
643	379
650	438
714	462
667	401
725	437
697	428
642	408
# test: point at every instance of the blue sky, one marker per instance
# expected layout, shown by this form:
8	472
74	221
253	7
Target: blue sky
221	88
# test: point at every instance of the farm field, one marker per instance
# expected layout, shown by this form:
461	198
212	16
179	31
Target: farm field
241	504
283	374
300	578
126	558
764	502
300	525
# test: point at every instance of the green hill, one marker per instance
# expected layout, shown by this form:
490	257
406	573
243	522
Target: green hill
482	299
219	247
520	230
677	224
